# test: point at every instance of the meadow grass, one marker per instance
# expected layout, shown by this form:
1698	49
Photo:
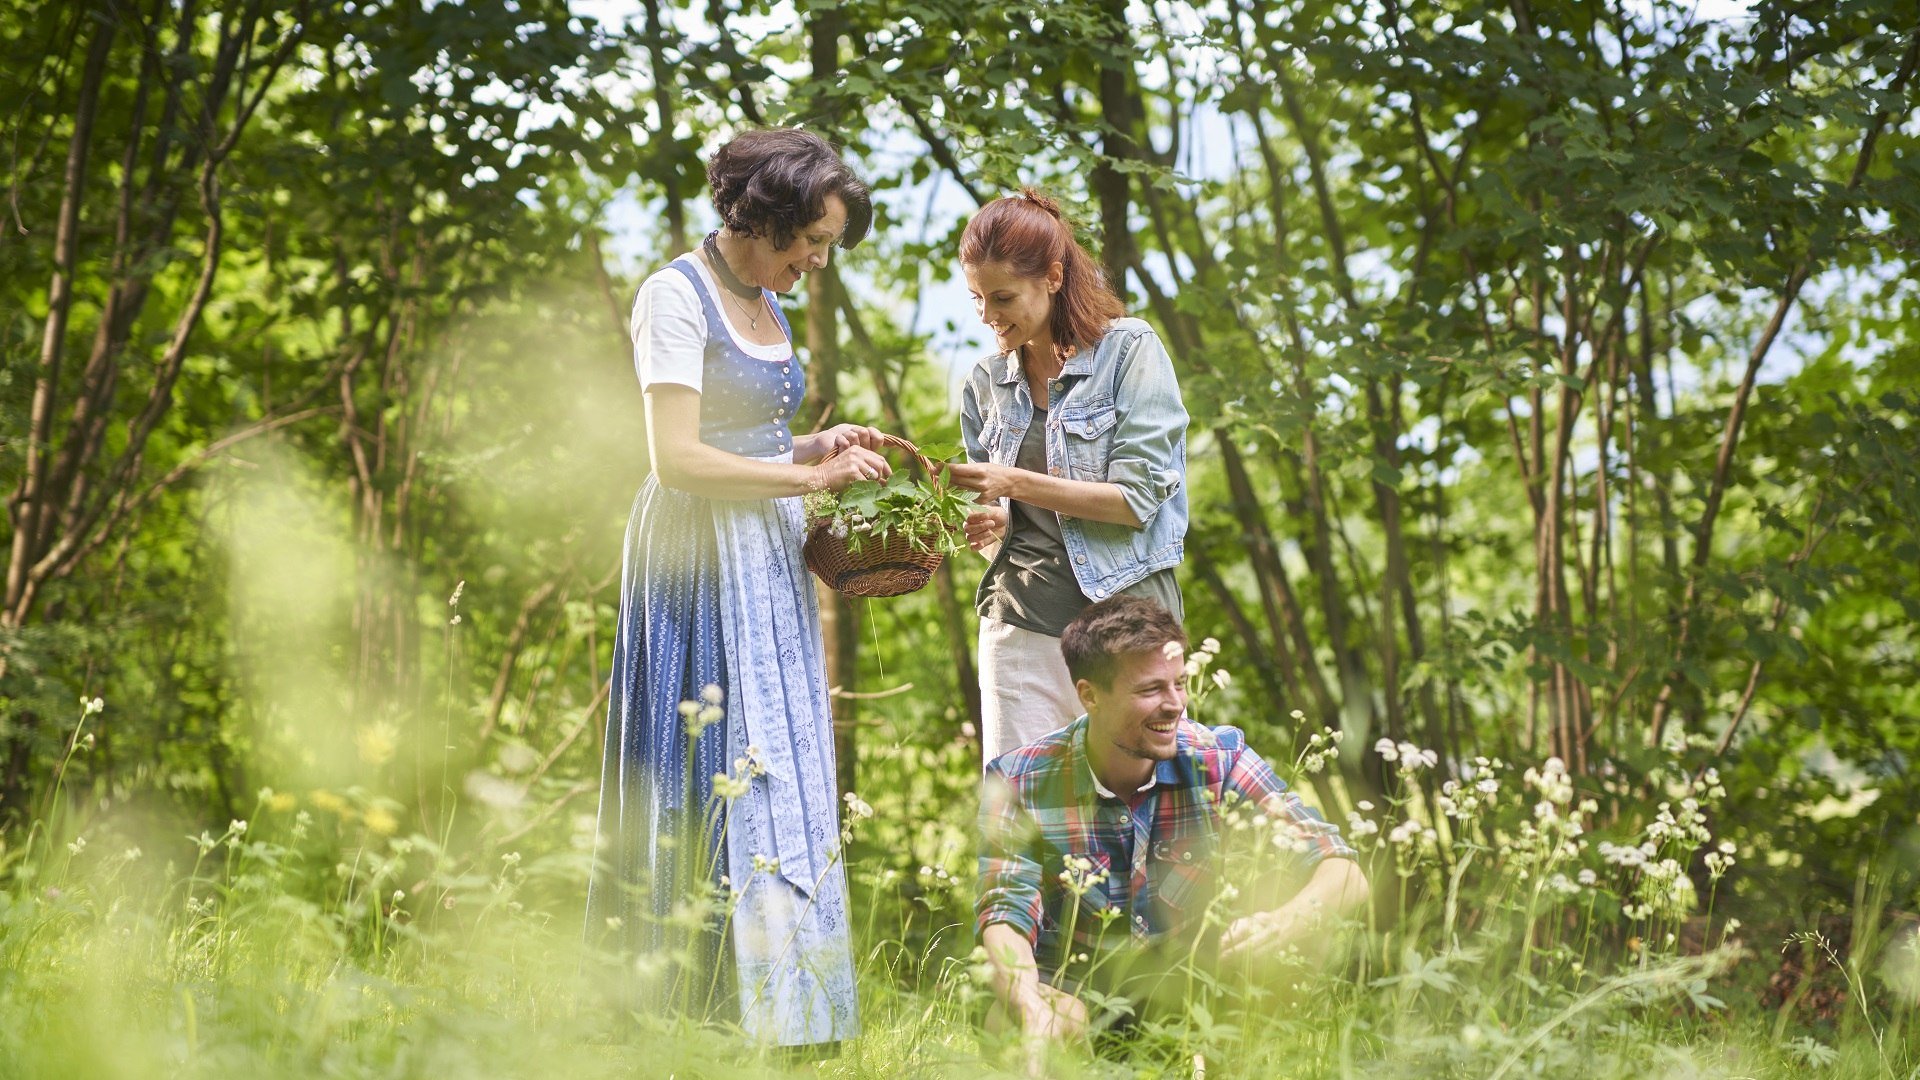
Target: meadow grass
317	937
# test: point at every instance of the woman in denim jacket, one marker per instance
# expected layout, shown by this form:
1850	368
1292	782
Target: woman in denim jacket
1075	428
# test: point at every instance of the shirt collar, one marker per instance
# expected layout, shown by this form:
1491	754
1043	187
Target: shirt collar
1164	772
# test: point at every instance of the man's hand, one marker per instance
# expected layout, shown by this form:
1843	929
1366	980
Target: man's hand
1336	889
1048	1018
1265	933
1052	1014
1046	1015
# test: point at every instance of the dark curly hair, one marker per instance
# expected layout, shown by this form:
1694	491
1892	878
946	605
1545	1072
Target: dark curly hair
775	182
1094	641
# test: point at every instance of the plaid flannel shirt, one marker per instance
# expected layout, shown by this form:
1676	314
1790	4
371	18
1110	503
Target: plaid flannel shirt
1059	855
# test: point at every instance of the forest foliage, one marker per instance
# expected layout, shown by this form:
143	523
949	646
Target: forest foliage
1554	366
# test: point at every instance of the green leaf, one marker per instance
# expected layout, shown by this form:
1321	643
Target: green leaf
937	452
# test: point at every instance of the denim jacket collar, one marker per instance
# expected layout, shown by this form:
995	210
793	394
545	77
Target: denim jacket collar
1080	363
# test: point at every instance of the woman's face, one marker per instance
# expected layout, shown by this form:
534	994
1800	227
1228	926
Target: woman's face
1019	310
812	248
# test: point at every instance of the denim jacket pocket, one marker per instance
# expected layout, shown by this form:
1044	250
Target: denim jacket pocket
991	432
1089	439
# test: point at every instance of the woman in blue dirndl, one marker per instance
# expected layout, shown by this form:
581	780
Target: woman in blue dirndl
717	610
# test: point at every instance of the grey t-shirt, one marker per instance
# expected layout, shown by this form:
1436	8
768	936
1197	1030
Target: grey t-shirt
1030	583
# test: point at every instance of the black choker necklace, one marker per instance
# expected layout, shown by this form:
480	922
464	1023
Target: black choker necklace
732	282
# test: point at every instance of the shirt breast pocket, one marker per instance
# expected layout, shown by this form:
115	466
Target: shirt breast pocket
1089	437
1185	878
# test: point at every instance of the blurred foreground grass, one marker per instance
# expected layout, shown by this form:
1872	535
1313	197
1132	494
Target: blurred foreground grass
318	937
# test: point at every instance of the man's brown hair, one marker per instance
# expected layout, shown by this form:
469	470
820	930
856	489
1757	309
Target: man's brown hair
1096	639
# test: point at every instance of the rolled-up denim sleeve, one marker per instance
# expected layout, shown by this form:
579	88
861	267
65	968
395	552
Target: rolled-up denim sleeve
1009	872
1149	457
971	423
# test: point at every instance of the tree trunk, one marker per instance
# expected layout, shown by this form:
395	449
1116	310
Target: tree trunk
31	500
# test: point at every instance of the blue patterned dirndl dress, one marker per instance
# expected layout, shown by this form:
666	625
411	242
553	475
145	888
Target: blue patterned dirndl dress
715	593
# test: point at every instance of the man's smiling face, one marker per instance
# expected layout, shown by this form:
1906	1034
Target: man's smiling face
1137	711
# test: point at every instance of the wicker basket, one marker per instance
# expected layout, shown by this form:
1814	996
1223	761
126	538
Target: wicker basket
890	567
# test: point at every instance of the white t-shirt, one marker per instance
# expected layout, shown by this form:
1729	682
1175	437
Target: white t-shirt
669	329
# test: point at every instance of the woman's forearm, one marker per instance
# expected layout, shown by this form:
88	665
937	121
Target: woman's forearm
684	463
1088	500
716	474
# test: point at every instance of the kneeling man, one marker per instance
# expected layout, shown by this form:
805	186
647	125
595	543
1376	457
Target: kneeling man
1103	842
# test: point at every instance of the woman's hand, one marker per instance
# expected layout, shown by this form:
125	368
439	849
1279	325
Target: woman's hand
986	527
838	437
993	482
853	463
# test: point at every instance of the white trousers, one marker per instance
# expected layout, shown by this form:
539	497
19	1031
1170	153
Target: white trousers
1025	691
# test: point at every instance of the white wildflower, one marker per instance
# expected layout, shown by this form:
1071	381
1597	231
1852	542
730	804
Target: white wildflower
1413	759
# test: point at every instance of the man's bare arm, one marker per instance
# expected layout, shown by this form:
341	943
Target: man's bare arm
1040	1009
1336	889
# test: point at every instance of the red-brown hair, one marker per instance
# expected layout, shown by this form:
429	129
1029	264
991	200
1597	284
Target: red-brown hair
1028	233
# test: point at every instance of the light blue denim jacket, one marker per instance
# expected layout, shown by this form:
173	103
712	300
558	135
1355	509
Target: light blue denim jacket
1115	416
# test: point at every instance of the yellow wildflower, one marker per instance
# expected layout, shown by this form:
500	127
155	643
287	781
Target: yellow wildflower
379	820
377	743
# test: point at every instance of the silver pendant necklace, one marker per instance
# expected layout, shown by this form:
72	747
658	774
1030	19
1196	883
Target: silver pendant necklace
743	294
752	312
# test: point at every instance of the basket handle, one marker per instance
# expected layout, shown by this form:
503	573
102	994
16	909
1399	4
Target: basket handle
897	443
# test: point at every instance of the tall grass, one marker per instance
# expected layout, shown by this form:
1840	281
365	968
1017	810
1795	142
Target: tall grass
319	938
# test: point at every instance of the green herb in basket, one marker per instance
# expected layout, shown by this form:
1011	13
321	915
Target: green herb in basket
929	515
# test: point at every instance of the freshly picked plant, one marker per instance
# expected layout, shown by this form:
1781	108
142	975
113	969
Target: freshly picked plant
928	515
